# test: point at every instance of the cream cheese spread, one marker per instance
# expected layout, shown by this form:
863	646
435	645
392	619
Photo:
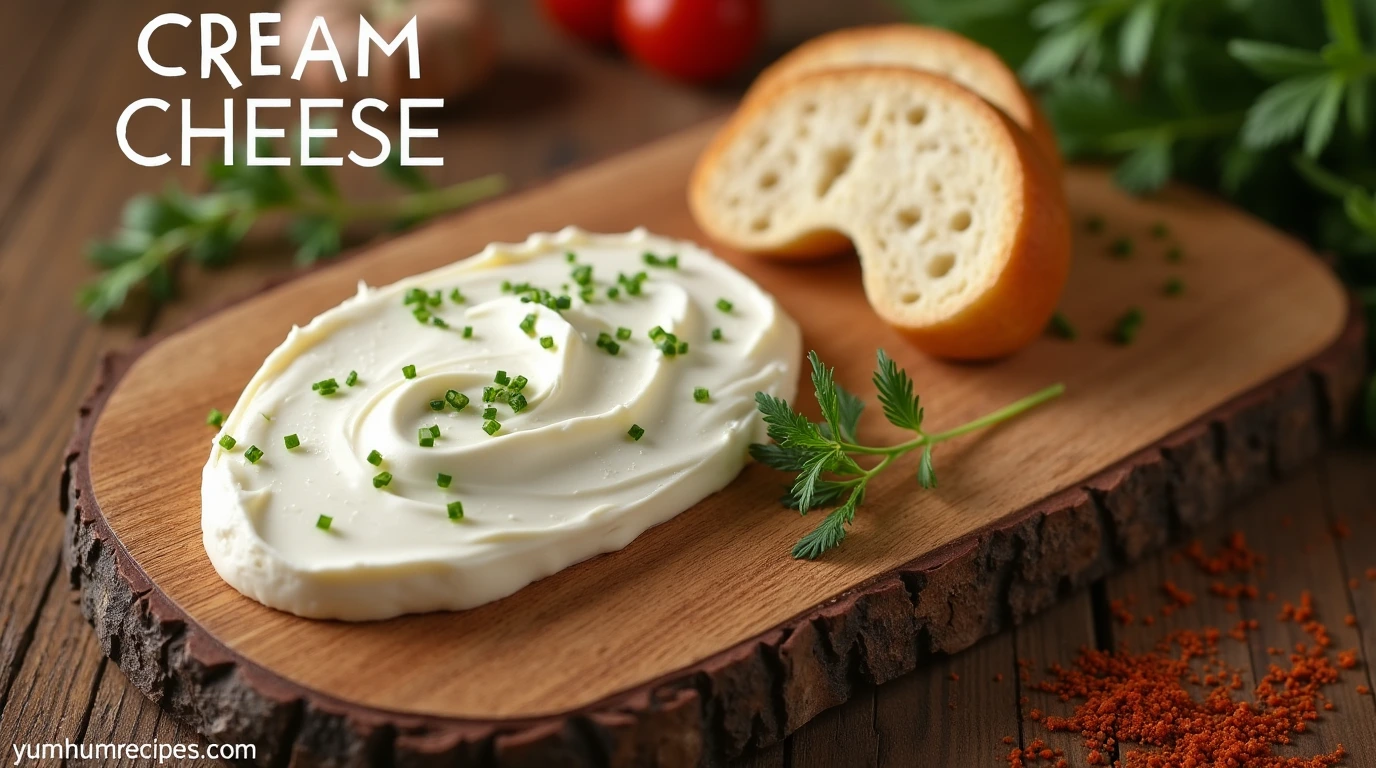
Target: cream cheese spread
354	522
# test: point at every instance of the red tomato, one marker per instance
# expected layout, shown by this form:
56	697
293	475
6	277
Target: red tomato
593	21
693	40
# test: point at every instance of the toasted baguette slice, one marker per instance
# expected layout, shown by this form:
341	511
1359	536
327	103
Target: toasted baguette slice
928	49
959	221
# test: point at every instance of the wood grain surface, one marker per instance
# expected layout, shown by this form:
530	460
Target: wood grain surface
69	66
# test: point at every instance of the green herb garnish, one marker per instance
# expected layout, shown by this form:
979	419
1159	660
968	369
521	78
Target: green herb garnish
455	509
502	378
292	441
227	442
528	324
517	401
325	388
351	379
636	432
456	296
457	400
517	384
623	333
409	371
436	405
468	331
716	334
375	458
653	260
825	455
324	522
1061	327
443	480
547	342
701	395
253	454
489	413
1125	330
382	479
491	426
215	418
424	438
724	305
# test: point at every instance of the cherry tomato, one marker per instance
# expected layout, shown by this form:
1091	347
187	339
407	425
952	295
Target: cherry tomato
592	21
693	40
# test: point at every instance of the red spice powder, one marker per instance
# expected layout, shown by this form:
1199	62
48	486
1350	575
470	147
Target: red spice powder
1178	596
1125	698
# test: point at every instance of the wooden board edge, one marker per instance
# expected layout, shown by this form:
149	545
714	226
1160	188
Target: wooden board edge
758	692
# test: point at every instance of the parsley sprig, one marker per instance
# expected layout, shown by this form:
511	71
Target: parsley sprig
158	229
826	456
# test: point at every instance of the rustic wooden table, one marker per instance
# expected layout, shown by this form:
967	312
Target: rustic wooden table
68	69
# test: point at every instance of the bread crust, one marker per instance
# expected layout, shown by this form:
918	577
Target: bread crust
1015	308
845	49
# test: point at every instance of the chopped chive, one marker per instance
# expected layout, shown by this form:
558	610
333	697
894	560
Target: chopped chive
489	394
323	522
1121	247
563	302
457	399
215	418
468	331
1125	330
506	286
724	305
1174	287
570	257
455	510
435	298
517	402
1094	224
669	348
227	442
502	378
382	479
413	296
443	480
582	274
657	333
700	394
424	437
528	324
292	441
489	413
587	293
683	347
655	261
1061	327
623	333
491	426
409	371
326	387
716	334
636	432
434	430
375	458
253	454
436	405
613	292
1160	231
1175	255
612	348
351	379
421	314
456	296
547	342
519	383
603	338
439	322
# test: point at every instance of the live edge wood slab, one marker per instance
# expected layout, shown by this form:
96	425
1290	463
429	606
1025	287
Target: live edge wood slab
703	639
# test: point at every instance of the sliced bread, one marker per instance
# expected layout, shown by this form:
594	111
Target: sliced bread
959	221
926	48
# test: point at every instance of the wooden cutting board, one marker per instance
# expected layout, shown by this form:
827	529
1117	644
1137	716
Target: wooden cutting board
703	637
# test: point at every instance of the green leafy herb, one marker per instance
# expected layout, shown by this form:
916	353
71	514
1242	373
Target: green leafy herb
547	342
826	458
215	418
253	454
375	458
489	413
1126	329
455	509
436	405
227	442
623	333
157	230
443	480
324	522
724	305
468	331
457	400
701	395
408	371
424	438
716	334
1061	327
351	379
491	426
528	324
382	479
292	441
636	432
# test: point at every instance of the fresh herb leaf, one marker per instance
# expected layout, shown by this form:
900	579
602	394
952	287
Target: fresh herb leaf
902	408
